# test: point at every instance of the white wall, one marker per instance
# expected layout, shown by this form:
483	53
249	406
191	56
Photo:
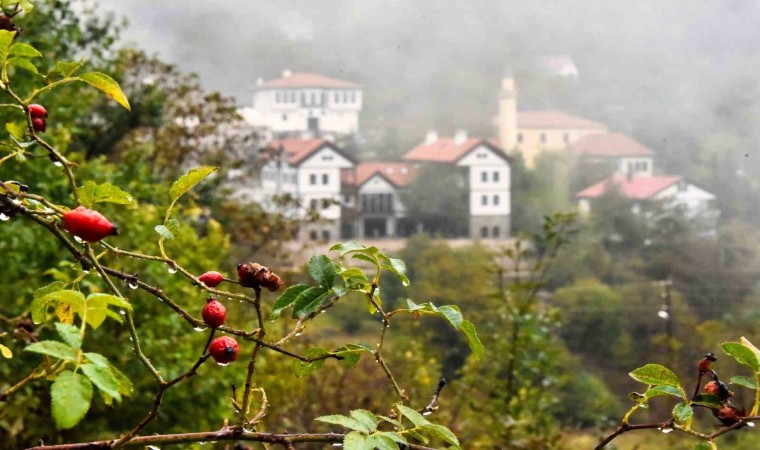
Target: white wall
695	200
484	160
337	109
624	164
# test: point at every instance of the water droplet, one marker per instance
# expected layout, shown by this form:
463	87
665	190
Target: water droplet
750	424
60	164
222	364
78	239
337	444
201	443
172	269
378	344
85	271
427	413
298	334
123	313
666	430
663	314
132	285
199	329
16	202
4	217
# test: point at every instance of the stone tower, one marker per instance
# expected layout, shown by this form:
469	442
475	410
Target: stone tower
507	113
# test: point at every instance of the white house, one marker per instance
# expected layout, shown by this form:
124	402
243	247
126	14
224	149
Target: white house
621	154
559	66
304	104
488	172
310	170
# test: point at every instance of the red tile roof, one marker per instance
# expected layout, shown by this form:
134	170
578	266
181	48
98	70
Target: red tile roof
446	150
398	174
298	149
304	80
609	145
554	119
635	188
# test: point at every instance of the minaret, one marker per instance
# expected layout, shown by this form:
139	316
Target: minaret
508	113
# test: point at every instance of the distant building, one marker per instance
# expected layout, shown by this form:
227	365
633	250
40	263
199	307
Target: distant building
559	66
671	192
306	105
487	170
533	132
615	152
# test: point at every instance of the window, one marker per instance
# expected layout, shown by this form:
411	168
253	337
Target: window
277	97
566	138
484	176
313	178
495	175
327	157
284	117
483	232
519	138
313	203
325	235
353	97
313	235
495	199
484	200
336	97
325	178
303	98
482	155
495	231
543	138
326	203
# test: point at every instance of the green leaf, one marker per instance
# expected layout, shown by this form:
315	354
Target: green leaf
398	267
708	400
441	432
365	417
452	314
15	130
393	422
287	299
53	348
476	347
70	334
394	436
164	232
97	308
70	394
26	6
190	179
6	352
380	442
655	374
303	368
655	391
107	85
345	422
25	50
348	247
742	354
683	413
703	446
745	342
309	301
41	302
97	359
353	440
22	63
92	193
351	354
125	386
322	270
746	382
67	68
103	378
6	39
353	276
416	418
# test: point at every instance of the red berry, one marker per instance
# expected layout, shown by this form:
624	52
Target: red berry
88	225
712	388
211	279
37	111
214	313
224	349
39	124
256	276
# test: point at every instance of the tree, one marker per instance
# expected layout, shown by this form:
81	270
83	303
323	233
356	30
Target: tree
437	201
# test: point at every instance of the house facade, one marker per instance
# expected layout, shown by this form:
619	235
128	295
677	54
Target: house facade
615	152
306	105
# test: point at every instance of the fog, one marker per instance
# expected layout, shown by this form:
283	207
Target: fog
681	77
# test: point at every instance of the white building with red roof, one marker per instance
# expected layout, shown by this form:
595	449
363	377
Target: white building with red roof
301	104
669	191
618	152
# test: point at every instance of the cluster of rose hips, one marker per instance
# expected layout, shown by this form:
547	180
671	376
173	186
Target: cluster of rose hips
38	113
728	414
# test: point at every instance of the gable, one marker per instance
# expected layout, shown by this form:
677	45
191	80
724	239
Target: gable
326	157
376	183
484	155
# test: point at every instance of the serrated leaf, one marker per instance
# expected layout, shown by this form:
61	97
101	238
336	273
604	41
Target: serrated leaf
655	391
365	417
97	309
23	49
92	193
416	418
476	347
15	130
380	442
745	342
708	400
103	378
746	382
440	432
70	334
398	267
322	270
308	301
6	39
683	413
350	246
393	422
287	299
452	314
67	68
354	441
351	354
6	352
54	296
106	85
53	348
188	180
164	232
655	374
22	63
97	359
71	395
742	354
344	421
394	436
303	368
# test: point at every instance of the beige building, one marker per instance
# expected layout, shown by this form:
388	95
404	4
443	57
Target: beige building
533	132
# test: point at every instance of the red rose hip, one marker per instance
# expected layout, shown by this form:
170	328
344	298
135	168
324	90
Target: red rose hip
211	278
88	225
224	349
39	124
214	313
37	111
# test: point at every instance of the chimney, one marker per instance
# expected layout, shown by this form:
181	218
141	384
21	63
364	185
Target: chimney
259	81
460	137
286	73
431	137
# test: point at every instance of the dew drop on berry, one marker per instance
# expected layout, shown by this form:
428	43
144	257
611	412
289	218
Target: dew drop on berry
4	217
222	364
